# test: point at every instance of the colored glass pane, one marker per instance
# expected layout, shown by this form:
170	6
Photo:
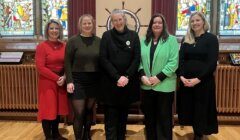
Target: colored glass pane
55	9
184	10
229	17
16	17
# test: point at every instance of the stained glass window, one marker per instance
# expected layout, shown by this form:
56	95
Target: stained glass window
229	17
16	17
184	10
55	9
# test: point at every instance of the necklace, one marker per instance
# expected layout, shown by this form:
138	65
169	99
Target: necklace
194	45
196	41
55	45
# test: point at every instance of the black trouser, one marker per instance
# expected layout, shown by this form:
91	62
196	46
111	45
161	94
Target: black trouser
157	109
115	119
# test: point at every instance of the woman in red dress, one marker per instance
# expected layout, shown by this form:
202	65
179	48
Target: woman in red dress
52	96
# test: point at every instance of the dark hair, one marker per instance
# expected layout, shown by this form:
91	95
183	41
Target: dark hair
164	35
47	27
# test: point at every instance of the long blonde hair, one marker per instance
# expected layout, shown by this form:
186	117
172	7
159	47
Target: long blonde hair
189	37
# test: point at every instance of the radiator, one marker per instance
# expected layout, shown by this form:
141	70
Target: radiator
18	87
228	89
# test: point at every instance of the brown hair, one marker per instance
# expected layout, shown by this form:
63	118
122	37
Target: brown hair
47	28
164	35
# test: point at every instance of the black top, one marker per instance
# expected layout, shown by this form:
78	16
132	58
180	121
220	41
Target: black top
120	56
152	51
161	76
199	60
196	105
120	53
87	40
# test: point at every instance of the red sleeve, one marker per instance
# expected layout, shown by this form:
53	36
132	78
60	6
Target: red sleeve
40	63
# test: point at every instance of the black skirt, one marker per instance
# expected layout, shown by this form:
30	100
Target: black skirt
86	85
196	106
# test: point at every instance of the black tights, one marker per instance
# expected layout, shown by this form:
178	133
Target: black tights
50	128
82	109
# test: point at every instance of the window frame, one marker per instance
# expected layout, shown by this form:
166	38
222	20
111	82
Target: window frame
37	21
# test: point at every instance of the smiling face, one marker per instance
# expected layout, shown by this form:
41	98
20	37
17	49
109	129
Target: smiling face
53	32
157	26
86	26
197	24
118	21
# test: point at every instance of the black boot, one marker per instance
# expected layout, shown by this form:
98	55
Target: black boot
55	132
47	127
198	137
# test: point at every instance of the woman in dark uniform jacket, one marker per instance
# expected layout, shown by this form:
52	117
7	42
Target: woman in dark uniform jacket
82	73
196	101
119	60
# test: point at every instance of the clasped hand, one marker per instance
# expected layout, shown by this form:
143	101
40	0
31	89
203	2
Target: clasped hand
150	81
70	87
61	80
189	82
122	81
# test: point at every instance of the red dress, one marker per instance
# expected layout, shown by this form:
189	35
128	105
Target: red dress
52	99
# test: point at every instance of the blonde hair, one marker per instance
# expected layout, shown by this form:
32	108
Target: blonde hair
46	35
189	37
80	22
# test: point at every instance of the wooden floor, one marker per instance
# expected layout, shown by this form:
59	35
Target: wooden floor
27	130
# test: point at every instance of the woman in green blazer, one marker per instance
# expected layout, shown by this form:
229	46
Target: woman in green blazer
159	61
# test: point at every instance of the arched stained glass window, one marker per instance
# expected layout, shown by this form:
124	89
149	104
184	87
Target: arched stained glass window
184	10
16	17
55	9
229	17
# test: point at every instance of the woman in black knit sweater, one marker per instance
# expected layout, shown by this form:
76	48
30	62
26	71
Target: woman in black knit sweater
119	60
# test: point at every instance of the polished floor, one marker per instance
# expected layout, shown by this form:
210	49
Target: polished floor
30	130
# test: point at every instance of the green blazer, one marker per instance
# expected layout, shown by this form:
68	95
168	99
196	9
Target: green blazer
165	60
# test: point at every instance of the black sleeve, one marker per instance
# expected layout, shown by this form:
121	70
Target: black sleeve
68	61
180	70
136	58
213	48
142	73
161	76
104	59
